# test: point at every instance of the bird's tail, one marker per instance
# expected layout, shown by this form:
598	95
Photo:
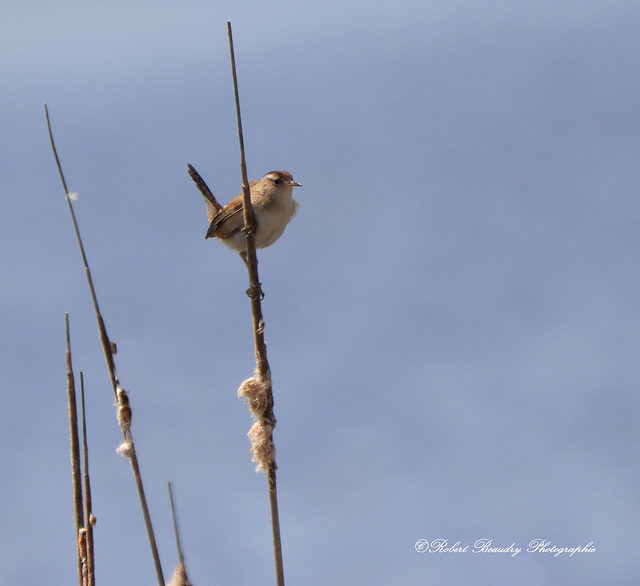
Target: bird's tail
213	207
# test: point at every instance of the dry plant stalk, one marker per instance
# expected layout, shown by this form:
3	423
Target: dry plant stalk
124	409
259	386
88	512
75	458
84	519
179	577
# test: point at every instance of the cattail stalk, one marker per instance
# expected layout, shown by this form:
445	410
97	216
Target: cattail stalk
109	351
180	572
88	512
75	453
263	374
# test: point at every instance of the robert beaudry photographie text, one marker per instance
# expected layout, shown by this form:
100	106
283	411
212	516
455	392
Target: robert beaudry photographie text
487	546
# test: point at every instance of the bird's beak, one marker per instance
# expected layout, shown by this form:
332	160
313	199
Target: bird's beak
295	184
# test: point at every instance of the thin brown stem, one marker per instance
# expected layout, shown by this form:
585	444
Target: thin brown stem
88	514
255	294
75	449
180	577
175	524
108	349
104	338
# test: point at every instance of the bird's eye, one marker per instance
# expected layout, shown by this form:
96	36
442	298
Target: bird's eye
277	181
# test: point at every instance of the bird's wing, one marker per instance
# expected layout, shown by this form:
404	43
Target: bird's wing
228	221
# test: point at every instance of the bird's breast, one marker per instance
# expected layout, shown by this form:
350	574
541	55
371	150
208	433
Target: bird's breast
272	220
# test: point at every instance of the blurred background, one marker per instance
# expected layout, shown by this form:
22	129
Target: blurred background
452	317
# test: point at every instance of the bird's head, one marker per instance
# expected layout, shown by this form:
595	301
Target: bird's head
276	181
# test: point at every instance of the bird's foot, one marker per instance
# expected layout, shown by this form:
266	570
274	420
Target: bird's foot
250	228
255	292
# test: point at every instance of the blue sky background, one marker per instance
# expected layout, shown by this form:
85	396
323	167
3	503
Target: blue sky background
452	318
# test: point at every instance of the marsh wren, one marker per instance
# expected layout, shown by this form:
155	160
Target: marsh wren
273	208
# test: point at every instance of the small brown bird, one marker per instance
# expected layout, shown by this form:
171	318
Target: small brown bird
273	208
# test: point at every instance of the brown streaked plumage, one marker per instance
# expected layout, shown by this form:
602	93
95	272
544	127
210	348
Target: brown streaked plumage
273	208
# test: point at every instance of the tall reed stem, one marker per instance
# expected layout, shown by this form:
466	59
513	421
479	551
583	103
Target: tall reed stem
255	294
108	349
75	452
88	515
